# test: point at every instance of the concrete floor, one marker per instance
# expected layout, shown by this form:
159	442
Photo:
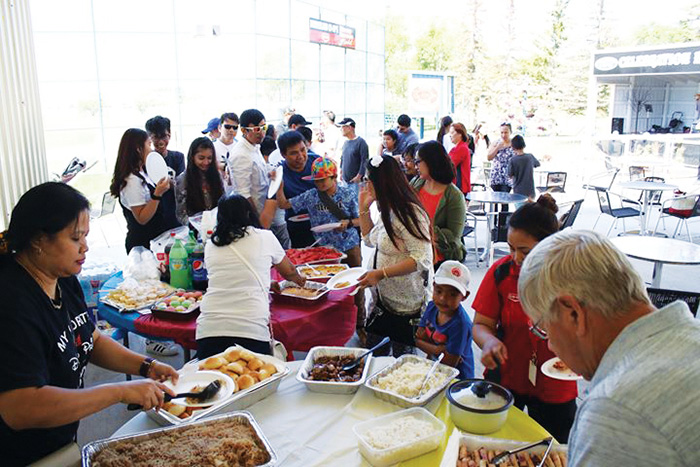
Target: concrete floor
107	242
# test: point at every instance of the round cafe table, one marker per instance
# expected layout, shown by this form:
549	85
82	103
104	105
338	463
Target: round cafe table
312	429
493	197
647	188
660	251
299	326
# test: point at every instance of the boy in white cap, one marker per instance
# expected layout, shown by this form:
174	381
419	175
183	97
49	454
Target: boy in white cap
445	326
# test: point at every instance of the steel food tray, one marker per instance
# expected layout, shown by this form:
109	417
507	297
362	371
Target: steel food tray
324	278
238	401
91	449
332	387
301	300
408	402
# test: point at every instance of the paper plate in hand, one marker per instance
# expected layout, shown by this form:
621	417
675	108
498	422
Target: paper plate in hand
299	218
275	184
345	279
195	382
556	369
156	168
326	227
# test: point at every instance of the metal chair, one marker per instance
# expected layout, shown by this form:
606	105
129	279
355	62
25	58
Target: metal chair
616	213
556	182
663	297
567	220
601	180
680	215
107	206
470	229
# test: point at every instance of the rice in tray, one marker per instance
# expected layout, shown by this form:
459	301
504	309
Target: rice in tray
402	431
407	379
224	443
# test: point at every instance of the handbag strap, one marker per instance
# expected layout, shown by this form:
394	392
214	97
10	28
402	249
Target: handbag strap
258	278
332	206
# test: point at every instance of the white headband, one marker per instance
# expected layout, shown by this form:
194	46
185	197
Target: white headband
376	160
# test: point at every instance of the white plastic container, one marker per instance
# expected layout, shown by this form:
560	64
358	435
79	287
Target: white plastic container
405	448
332	387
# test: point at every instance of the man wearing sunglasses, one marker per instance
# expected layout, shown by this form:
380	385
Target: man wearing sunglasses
228	127
249	170
641	407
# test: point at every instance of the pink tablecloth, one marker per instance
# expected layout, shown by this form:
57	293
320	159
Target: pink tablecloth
298	327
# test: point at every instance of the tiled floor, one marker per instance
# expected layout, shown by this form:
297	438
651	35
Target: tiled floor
107	242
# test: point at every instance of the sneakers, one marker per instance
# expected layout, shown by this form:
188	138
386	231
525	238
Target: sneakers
161	349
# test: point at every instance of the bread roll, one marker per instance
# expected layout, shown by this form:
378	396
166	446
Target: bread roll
255	364
255	375
212	363
245	381
263	374
270	368
232	354
174	409
230	374
247	355
236	367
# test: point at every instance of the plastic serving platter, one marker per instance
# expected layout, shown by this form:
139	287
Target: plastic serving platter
332	387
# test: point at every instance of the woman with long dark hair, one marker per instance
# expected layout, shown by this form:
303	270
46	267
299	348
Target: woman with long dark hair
510	352
443	135
461	157
403	261
442	200
138	195
236	307
47	335
200	186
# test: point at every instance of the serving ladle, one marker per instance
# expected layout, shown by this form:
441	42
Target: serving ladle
207	393
352	365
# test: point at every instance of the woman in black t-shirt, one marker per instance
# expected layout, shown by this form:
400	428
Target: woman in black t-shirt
47	336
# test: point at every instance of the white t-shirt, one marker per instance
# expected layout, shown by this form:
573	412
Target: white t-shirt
447	142
223	150
135	192
235	305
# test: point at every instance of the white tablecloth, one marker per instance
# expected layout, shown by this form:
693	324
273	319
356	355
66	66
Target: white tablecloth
307	428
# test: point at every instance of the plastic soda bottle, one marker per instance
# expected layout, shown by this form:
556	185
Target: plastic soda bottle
189	247
200	279
163	259
179	275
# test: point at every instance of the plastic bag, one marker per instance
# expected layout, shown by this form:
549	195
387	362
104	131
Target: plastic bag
141	265
94	274
158	244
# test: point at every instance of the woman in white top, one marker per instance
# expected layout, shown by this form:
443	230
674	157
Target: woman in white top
236	307
138	195
403	261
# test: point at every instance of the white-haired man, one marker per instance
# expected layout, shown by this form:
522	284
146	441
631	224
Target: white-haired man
642	408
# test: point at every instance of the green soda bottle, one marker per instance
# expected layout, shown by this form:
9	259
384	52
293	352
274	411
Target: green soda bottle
189	247
179	275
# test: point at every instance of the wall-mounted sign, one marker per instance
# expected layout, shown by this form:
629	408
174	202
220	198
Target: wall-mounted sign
648	62
323	32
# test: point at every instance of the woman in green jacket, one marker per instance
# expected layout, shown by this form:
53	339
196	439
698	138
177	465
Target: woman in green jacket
443	201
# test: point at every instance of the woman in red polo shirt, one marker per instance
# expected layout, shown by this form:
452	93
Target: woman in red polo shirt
501	327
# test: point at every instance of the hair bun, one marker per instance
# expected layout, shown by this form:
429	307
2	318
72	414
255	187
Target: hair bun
547	201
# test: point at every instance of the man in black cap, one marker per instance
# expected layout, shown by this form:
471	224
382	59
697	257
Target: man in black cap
296	121
212	129
355	154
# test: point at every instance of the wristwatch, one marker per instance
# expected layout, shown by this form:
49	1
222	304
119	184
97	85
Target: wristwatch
156	197
146	365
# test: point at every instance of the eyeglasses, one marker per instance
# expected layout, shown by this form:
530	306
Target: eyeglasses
538	331
255	128
230	127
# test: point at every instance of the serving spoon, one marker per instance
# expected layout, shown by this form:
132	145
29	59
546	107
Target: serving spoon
430	373
352	365
207	393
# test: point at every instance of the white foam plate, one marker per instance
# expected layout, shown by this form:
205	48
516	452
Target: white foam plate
188	381
275	184
156	168
326	227
349	275
299	218
566	375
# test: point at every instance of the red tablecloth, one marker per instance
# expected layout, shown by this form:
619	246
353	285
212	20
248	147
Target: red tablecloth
298	327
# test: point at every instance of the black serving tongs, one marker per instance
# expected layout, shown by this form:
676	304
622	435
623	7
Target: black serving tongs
505	454
207	393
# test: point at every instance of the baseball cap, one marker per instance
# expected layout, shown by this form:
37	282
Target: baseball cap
455	274
212	125
347	121
322	167
297	119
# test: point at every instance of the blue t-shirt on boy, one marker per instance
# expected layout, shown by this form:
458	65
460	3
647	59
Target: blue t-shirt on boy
455	335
